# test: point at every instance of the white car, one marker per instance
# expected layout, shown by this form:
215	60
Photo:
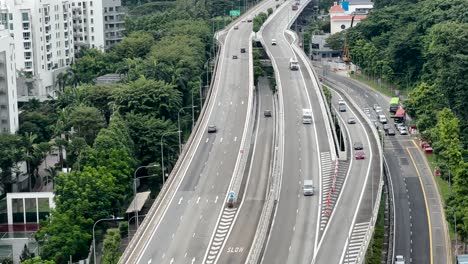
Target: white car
399	259
273	42
378	109
403	130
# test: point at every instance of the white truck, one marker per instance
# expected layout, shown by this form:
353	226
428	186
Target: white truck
293	64
341	106
307	116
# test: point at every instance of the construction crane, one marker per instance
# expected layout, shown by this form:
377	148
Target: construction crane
346	57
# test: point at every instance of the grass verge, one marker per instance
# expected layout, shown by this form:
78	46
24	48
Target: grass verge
374	251
372	84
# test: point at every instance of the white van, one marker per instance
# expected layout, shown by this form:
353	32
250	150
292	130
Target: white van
341	106
308	188
293	64
383	119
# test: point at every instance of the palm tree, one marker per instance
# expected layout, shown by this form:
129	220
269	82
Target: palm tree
28	145
52	173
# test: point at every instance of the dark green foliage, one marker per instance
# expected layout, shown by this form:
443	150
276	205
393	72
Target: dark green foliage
10	153
146	132
123	229
259	20
149	97
374	251
86	121
25	254
424	43
110	250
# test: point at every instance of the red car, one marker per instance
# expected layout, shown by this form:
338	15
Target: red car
359	155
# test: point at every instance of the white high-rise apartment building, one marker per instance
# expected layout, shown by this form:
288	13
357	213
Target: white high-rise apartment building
97	23
48	33
8	100
43	35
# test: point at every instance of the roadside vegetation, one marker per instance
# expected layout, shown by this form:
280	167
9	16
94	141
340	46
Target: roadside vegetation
107	131
420	47
375	249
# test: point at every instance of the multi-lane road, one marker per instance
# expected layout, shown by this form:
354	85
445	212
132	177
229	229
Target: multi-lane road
181	230
192	223
419	236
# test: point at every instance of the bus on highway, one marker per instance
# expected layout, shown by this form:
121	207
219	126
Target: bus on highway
399	116
394	105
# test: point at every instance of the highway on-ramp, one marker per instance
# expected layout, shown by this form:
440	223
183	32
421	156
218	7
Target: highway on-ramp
408	173
349	224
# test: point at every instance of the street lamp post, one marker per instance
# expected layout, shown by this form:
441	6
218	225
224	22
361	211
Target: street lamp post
130	219
162	151
178	124
134	189
94	239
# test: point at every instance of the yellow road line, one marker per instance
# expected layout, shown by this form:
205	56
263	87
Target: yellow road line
446	232
425	202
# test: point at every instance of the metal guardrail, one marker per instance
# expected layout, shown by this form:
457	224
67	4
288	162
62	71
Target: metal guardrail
375	211
172	177
391	198
268	211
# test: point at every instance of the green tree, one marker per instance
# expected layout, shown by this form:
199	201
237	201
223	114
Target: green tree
100	97
86	121
29	140
149	97
37	123
258	21
337	40
116	136
10	154
74	150
68	235
90	65
36	260
136	45
25	254
146	132
111	248
447	138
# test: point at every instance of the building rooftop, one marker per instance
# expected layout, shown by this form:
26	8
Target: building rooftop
357	17
108	78
336	8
